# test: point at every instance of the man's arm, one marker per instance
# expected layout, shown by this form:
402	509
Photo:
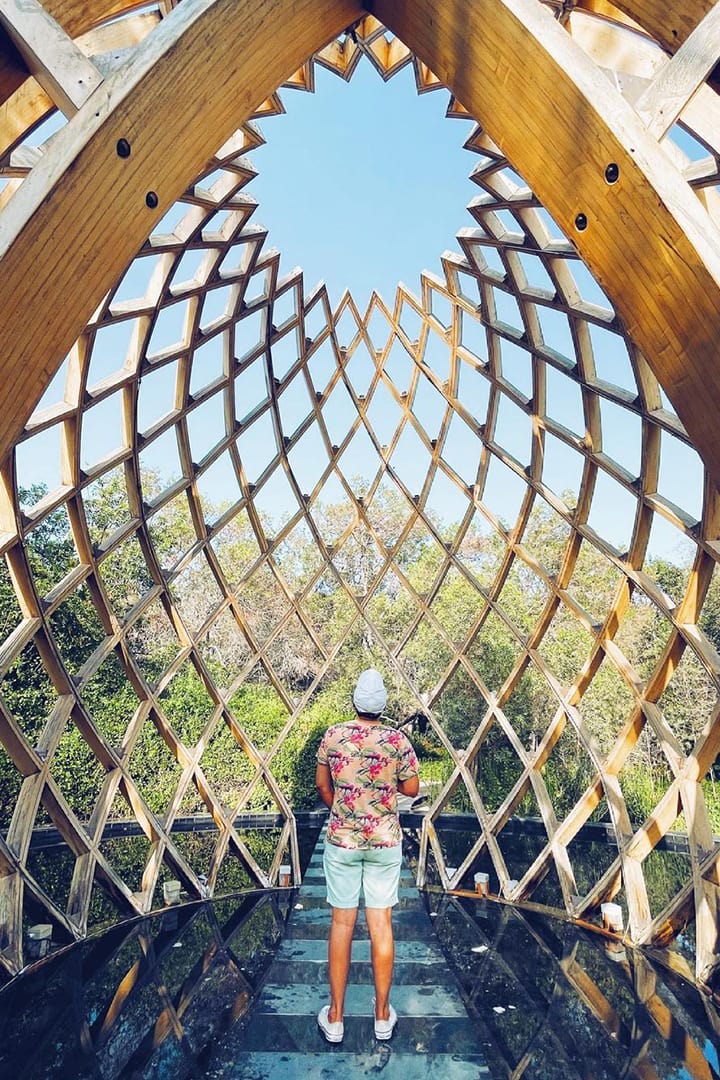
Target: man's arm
409	787
323	782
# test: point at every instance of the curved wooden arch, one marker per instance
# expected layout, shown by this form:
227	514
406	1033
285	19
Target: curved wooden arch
83	212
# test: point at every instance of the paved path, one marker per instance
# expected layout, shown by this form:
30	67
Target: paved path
434	1037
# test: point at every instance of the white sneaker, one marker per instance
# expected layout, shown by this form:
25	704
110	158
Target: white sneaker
332	1030
385	1028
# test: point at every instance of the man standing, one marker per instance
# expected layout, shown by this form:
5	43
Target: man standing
362	764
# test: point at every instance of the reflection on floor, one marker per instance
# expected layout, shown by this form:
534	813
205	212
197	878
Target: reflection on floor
230	990
434	1036
558	1003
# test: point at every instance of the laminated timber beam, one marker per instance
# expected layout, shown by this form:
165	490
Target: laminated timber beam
645	235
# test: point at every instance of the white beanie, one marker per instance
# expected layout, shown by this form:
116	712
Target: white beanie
370	696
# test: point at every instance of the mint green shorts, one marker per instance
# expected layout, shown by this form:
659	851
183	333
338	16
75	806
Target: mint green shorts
375	871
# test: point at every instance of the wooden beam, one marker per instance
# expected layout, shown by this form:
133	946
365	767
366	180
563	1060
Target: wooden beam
669	24
67	76
676	83
649	242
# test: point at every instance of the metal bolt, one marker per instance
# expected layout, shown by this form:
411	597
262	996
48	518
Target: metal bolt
581	222
151	200
612	173
123	148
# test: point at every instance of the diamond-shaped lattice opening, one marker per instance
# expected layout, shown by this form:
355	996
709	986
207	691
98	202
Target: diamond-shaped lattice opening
530	707
153	768
128	856
567	772
153	642
50	550
606	705
298	557
28	692
358	561
643	634
106	506
77	772
594	582
195	798
10	612
392	609
260	799
120	810
482	551
523	597
566	646
546	537
259	709
262	603
53	871
125	576
198	849
103	910
196	593
498	767
666	874
10	784
689	700
330	609
226	767
645	776
457	605
425	658
237	548
494	652
456	845
520	853
460	708
591	859
187	704
77	629
293	656
171	531
225	651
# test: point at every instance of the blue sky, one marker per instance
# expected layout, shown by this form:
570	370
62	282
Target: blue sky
364	184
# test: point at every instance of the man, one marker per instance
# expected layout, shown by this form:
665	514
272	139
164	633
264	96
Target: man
362	764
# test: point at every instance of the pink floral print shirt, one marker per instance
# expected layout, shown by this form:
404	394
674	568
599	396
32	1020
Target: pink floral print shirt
366	762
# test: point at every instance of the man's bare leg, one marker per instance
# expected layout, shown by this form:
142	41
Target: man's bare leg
339	953
382	951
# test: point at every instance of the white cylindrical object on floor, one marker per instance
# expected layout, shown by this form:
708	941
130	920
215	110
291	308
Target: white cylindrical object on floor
482	884
39	940
171	892
510	886
612	917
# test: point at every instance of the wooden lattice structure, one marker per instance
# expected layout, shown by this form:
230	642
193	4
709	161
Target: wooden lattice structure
574	104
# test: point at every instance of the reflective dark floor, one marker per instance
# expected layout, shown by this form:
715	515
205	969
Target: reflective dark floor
155	998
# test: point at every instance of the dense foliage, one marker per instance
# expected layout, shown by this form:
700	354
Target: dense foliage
114	696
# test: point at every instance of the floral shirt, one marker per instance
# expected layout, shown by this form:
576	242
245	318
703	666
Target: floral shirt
366	762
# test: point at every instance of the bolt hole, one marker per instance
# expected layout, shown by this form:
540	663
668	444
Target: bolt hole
581	223
612	173
123	148
151	200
